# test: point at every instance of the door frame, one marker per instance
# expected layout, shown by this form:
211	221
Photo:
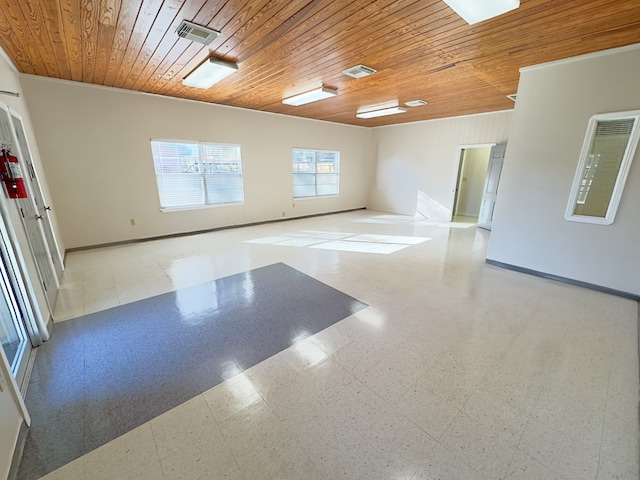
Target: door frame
28	209
458	171
19	273
36	189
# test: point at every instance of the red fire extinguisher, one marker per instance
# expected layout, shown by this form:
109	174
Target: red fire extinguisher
11	175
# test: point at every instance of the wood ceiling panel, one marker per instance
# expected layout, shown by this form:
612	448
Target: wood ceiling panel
320	52
19	31
141	28
421	49
52	17
89	10
165	45
212	15
38	31
124	28
167	20
12	47
107	31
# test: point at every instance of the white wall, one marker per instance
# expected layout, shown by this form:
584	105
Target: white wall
550	120
97	157
422	157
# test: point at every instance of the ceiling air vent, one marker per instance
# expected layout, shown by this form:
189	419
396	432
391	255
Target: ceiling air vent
415	103
359	71
196	33
512	97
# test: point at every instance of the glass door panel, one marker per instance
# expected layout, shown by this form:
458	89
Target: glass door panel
12	334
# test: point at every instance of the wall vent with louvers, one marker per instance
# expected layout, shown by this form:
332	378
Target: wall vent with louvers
196	33
359	71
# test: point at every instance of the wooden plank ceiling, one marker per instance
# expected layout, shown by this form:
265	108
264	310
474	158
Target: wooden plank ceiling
421	49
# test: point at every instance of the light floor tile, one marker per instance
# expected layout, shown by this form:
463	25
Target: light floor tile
427	409
444	465
456	369
524	467
565	455
609	470
70	471
480	448
125	457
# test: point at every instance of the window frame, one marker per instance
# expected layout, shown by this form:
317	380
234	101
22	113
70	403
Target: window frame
315	173
201	173
575	197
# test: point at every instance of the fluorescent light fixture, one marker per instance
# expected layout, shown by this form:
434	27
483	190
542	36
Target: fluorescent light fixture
311	96
381	113
209	72
474	11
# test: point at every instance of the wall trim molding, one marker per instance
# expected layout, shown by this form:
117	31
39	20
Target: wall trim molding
441	119
586	56
578	283
197	232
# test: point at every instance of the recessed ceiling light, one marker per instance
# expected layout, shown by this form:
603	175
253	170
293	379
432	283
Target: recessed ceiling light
381	113
474	11
415	103
311	96
359	71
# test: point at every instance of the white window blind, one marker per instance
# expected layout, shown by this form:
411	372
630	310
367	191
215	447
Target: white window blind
315	173
603	164
192	174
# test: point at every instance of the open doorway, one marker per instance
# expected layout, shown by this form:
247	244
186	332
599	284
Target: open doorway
473	162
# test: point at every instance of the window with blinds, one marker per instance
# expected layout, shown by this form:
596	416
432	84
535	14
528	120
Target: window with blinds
315	173
606	156
195	174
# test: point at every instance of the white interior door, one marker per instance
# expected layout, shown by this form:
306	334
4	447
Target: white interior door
42	209
31	218
490	193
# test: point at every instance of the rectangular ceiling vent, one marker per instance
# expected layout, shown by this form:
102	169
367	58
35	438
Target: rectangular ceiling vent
359	71
196	33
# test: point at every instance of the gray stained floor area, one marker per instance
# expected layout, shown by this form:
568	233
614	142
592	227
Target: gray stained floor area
104	374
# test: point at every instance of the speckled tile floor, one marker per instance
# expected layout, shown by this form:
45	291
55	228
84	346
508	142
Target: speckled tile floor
456	369
104	374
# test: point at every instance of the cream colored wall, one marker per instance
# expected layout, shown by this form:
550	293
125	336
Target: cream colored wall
423	157
474	172
95	142
549	124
